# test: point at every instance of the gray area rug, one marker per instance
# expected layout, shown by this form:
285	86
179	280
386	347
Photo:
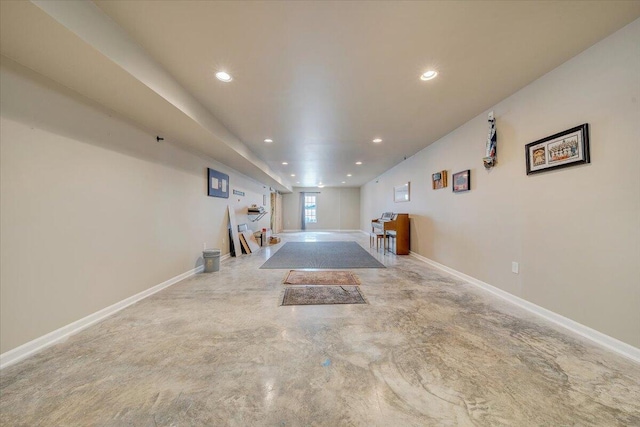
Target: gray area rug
317	295
322	255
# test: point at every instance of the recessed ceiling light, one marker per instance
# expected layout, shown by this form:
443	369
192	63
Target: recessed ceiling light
431	74
297	182
320	185
344	182
358	163
293	174
377	140
268	140
348	174
285	163
223	77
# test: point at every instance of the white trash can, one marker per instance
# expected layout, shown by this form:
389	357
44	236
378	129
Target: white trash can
211	260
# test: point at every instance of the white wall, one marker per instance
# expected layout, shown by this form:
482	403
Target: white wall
574	231
338	208
93	209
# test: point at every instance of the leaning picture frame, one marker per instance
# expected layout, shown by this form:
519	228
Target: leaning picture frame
564	149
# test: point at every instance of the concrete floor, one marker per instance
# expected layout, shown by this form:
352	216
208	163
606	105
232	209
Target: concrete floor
218	349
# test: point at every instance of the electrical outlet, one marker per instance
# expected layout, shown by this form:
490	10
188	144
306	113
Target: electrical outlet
515	267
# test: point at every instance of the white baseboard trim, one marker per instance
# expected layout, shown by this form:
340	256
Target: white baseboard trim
25	350
327	230
604	340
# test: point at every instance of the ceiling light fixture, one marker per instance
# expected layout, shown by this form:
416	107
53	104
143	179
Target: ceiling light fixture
348	174
377	140
223	77
293	174
320	185
344	182
431	74
358	163
285	163
268	140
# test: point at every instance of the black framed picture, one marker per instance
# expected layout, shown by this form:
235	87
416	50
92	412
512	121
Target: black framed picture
567	148
218	183
462	181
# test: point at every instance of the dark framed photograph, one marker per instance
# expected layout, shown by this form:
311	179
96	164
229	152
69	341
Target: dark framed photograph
462	181
218	183
568	148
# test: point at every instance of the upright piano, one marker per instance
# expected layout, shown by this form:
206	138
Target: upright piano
396	227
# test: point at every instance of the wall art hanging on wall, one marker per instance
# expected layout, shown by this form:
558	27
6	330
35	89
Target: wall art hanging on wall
492	144
401	193
218	184
568	148
461	181
439	180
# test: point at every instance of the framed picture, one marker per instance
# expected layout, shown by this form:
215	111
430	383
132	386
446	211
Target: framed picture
462	181
568	148
439	180
218	184
401	193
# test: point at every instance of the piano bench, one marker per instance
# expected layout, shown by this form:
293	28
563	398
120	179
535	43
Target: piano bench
377	236
390	243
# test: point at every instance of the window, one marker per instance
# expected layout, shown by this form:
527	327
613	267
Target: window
310	209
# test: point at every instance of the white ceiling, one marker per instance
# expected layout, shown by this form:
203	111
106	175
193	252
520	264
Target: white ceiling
322	79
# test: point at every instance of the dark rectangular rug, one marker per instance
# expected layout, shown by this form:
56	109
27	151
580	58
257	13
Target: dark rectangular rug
318	295
321	277
322	255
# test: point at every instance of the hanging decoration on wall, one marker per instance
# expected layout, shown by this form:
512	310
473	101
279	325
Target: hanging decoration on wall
567	148
439	180
492	144
461	181
218	184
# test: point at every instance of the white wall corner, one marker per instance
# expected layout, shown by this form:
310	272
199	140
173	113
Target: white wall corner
604	340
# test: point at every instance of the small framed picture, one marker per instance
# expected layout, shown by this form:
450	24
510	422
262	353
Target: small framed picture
401	193
462	181
439	180
568	148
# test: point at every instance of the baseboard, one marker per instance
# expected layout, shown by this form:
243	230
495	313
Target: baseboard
324	230
604	340
19	353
